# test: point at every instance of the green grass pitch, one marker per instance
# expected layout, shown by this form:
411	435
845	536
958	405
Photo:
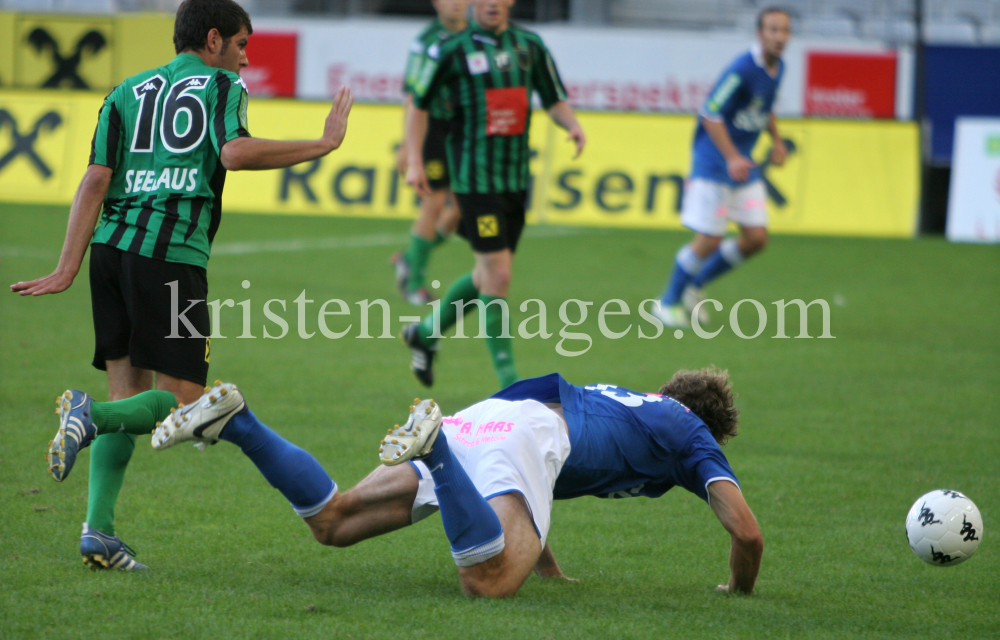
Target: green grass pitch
838	438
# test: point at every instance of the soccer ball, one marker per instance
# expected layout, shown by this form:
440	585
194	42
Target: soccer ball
944	528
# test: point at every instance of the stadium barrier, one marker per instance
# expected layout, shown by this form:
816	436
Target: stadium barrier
842	177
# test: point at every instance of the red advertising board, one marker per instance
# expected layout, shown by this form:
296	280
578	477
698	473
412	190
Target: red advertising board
853	85
272	58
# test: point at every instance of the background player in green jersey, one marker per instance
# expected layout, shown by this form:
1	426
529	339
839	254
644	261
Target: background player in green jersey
438	212
164	141
490	71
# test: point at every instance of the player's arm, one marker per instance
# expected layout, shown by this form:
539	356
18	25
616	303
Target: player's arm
548	84
562	114
416	132
242	153
747	546
547	567
401	153
83	214
737	164
778	151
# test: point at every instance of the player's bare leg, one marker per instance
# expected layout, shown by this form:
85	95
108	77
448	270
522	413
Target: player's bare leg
438	219
380	503
752	240
704	245
185	391
502	575
125	381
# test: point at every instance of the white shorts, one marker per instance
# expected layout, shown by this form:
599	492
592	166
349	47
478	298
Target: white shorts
504	446
710	206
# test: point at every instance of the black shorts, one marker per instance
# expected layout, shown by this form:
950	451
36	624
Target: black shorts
133	315
436	155
492	221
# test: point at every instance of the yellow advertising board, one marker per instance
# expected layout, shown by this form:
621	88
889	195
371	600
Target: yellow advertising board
841	178
81	52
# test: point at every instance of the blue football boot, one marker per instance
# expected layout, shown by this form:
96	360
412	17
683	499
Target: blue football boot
106	552
76	431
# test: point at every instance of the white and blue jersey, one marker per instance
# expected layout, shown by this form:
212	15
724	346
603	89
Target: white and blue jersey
625	444
743	99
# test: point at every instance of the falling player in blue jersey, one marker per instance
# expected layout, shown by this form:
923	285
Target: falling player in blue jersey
492	469
725	185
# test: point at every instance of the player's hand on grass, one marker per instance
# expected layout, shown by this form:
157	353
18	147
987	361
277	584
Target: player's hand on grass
779	152
336	121
56	282
579	138
739	168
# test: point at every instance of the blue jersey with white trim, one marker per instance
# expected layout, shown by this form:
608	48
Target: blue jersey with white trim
626	444
742	99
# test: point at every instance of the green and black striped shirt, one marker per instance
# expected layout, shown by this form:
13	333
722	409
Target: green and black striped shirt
428	41
161	133
491	78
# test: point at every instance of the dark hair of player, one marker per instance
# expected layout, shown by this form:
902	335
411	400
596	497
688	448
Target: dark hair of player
709	395
766	11
195	18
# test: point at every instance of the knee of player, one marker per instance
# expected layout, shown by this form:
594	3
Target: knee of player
756	242
331	534
482	588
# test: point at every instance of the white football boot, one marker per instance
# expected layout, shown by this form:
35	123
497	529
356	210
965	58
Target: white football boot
672	316
691	297
414	439
202	420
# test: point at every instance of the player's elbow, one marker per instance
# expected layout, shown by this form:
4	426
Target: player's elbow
233	155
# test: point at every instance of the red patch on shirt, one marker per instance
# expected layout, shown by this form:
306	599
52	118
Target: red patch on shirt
506	111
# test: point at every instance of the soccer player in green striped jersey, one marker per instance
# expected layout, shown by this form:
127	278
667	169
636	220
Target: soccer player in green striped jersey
490	72
438	213
164	141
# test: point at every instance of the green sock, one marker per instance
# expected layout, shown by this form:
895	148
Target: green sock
109	456
439	238
417	256
461	290
501	349
136	415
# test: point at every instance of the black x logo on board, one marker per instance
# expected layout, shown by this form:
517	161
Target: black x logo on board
67	68
772	191
25	144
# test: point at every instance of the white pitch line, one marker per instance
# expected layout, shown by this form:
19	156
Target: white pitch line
298	245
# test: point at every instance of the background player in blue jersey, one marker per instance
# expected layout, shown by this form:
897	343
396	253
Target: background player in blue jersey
493	469
725	185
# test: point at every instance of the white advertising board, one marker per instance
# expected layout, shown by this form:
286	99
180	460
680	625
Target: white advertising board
974	194
603	69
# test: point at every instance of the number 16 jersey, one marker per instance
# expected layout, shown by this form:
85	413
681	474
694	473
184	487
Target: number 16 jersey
161	132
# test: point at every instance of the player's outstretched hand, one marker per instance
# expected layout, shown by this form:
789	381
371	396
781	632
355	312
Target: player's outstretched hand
417	178
336	122
577	136
739	168
56	282
779	152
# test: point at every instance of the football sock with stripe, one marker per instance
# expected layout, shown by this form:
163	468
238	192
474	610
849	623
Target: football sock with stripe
472	527
291	470
462	290
109	456
137	415
417	255
687	265
725	258
500	347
